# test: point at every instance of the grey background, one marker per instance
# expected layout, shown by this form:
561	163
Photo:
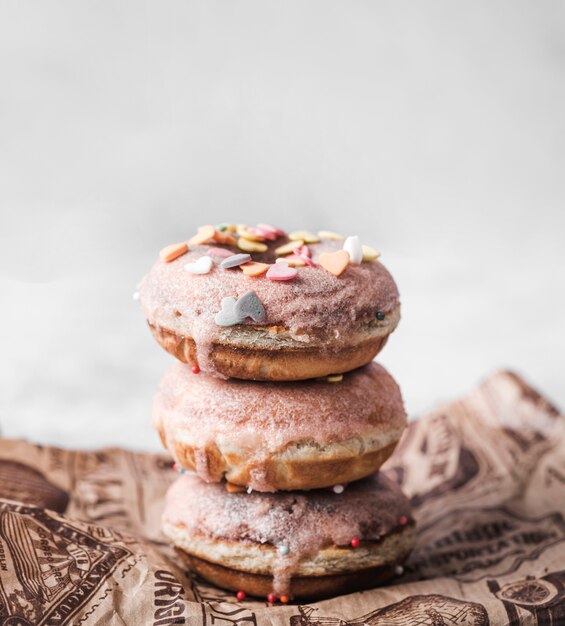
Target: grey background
435	130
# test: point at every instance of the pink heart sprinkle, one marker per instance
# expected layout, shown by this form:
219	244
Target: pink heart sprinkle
271	229
221	252
303	254
281	271
266	234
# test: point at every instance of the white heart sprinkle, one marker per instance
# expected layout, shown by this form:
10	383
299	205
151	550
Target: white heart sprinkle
226	316
201	266
353	246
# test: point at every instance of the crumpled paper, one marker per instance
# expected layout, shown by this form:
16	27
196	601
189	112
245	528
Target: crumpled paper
80	540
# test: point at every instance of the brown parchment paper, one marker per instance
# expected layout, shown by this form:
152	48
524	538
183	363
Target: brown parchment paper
80	540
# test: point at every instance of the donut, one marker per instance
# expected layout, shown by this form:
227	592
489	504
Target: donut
280	436
321	310
289	543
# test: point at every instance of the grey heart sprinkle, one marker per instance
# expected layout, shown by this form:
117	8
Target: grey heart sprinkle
227	315
249	305
234	260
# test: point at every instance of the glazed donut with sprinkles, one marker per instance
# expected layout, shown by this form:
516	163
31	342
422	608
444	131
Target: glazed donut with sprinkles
261	304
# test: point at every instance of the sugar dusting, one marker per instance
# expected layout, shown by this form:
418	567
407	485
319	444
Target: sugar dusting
263	418
369	509
315	307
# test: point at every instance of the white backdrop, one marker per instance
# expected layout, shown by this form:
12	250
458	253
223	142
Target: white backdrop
436	130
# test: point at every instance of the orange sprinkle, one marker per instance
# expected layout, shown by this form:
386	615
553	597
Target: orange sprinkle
231	488
334	262
226	238
170	253
203	235
254	269
284	599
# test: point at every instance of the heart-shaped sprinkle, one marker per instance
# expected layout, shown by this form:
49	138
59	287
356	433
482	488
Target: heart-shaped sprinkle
249	305
281	271
254	269
271	229
203	235
303	254
235	260
225	238
304	236
220	252
328	234
170	253
294	260
266	234
370	254
353	246
288	248
334	262
227	315
201	266
247	233
251	246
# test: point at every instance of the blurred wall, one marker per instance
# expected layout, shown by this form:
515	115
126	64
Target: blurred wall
433	129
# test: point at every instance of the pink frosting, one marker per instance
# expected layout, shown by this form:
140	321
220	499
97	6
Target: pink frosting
368	509
265	417
315	307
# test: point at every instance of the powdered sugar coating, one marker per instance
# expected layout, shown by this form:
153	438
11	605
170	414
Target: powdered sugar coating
263	418
368	509
316	307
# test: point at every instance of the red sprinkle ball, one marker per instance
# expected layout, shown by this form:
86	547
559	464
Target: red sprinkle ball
403	520
195	369
240	595
355	542
176	467
271	598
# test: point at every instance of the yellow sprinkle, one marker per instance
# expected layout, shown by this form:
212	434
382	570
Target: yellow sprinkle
304	236
243	231
250	246
295	262
370	254
335	378
328	234
288	248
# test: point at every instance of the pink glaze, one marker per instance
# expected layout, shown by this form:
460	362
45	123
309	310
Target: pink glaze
264	418
368	509
316	307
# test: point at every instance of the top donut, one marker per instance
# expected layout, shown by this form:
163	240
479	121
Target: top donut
261	304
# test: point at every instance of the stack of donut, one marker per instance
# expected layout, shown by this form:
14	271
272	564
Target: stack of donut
276	416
